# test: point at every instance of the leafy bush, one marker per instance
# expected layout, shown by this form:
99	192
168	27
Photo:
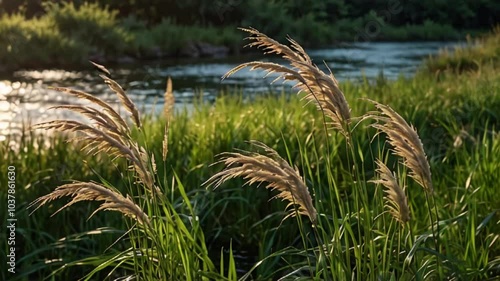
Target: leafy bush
34	42
91	24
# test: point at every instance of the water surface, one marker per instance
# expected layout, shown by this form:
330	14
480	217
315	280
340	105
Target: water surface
24	97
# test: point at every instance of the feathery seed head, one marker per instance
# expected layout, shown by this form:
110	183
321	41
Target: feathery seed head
88	191
125	100
396	200
320	88
107	132
405	142
269	168
169	102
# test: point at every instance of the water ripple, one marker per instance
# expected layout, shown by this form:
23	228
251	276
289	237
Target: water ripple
25	97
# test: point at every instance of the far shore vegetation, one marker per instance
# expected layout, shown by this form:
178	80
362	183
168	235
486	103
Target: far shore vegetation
42	34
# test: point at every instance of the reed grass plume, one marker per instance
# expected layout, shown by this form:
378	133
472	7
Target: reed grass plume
405	142
271	169
320	88
88	191
106	131
395	197
125	100
169	100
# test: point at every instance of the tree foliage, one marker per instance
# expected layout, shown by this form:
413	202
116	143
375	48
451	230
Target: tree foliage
460	14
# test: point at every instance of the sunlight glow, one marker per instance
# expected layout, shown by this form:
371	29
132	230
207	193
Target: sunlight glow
5	88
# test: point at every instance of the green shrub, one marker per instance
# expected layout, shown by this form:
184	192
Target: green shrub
37	41
89	23
65	35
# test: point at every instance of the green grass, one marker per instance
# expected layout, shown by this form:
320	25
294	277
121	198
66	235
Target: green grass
457	116
477	54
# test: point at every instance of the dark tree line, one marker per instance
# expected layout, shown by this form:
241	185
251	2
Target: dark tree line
461	14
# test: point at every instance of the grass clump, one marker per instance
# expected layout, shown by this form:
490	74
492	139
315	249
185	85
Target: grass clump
323	90
159	226
477	54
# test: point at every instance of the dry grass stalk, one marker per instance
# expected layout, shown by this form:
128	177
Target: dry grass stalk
269	168
164	151
88	191
108	131
168	105
106	108
396	200
101	68
125	100
406	144
320	88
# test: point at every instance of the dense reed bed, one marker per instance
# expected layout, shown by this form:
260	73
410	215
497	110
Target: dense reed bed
379	181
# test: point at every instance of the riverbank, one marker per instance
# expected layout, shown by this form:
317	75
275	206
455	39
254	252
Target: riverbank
67	37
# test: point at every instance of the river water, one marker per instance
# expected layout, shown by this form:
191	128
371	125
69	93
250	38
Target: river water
25	99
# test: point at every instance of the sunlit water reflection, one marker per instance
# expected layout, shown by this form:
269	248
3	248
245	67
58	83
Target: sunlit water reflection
26	99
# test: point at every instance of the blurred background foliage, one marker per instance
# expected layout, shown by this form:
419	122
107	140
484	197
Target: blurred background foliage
68	33
461	14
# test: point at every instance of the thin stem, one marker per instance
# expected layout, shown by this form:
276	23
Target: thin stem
432	221
412	242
